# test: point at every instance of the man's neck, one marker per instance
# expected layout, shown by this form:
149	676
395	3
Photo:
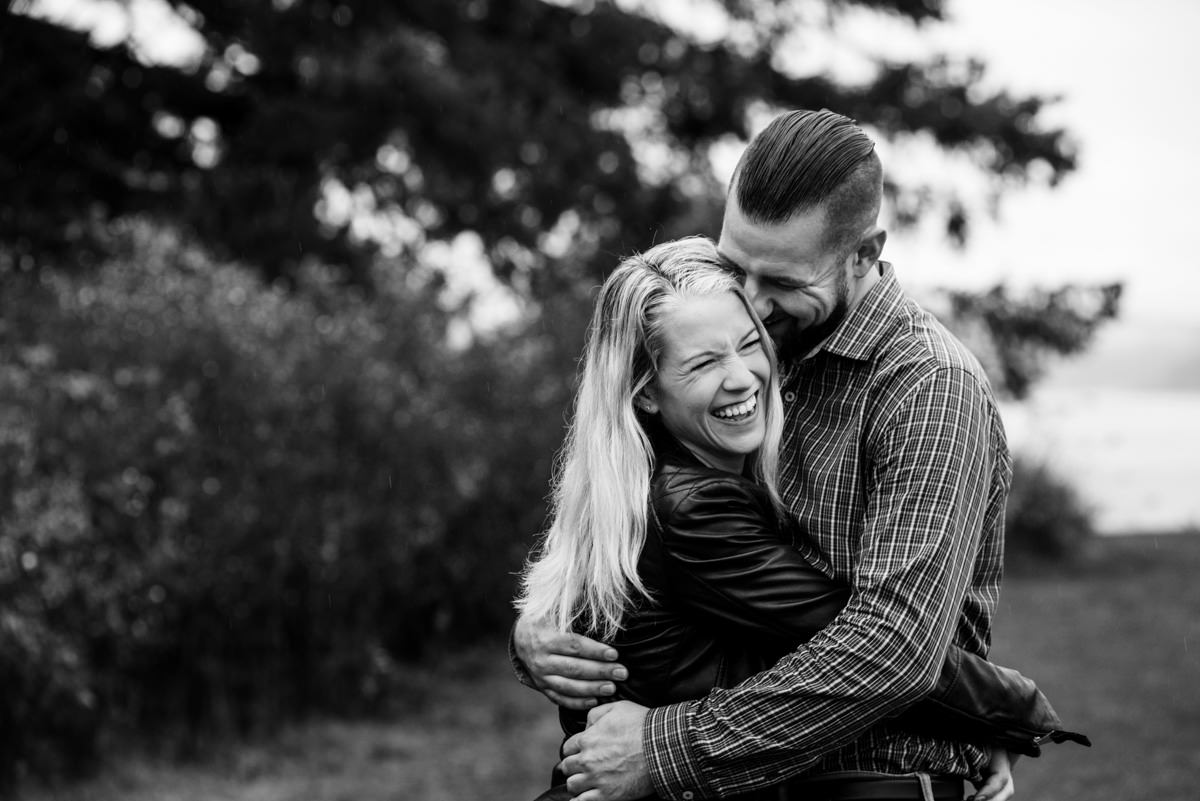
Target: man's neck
866	284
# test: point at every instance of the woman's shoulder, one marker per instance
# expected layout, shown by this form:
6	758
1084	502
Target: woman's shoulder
681	490
673	477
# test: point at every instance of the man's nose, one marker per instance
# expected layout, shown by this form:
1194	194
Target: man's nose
762	305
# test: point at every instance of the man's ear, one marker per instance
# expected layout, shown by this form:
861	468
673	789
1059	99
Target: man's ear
870	248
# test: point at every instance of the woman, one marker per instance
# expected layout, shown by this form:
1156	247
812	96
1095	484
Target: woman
668	538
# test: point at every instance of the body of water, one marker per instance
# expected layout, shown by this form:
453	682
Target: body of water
1133	454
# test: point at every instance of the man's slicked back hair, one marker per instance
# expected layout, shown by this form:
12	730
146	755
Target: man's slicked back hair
807	159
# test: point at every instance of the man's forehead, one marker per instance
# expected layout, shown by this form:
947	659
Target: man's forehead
773	264
772	247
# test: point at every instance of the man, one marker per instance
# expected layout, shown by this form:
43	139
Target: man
894	462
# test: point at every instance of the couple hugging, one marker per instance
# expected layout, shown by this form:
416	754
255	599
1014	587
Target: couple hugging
777	521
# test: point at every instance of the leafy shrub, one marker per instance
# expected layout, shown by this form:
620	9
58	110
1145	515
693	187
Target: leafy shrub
49	720
1045	519
233	504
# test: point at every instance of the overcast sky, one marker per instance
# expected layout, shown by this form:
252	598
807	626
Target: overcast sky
1130	77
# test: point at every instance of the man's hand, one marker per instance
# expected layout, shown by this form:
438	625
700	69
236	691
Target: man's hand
570	669
605	762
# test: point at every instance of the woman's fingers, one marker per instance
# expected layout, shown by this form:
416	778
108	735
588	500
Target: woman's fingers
997	784
998	787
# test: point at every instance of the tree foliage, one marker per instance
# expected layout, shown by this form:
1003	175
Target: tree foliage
503	117
1046	521
1019	332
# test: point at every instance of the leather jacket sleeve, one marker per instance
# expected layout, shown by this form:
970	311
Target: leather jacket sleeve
981	702
726	560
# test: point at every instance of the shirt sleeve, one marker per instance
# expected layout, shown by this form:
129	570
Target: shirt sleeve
929	470
729	564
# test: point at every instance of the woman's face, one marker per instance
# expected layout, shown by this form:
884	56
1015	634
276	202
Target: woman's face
710	381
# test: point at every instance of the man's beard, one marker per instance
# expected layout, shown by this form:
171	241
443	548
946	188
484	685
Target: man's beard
793	343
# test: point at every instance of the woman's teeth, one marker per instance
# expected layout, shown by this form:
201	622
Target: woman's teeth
736	410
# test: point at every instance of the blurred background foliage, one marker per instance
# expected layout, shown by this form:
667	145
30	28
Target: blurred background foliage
258	444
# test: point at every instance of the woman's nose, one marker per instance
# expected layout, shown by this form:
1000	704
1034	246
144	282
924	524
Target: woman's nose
738	375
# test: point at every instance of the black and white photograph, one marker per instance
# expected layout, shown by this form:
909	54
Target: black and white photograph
599	400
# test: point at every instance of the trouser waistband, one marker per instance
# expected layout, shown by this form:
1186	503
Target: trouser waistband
864	786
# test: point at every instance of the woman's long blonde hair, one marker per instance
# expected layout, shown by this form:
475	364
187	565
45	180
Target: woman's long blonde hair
584	575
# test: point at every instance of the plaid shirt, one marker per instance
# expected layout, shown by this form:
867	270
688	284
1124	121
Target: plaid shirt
895	464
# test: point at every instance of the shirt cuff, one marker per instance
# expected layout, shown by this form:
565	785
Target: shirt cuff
668	752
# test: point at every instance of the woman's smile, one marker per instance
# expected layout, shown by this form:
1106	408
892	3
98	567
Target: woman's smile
738	412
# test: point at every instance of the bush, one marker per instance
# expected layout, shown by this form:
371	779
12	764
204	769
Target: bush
231	504
49	720
1045	520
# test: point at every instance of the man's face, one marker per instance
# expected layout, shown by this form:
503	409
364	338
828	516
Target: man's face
798	284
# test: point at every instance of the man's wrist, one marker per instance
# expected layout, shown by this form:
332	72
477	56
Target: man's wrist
668	753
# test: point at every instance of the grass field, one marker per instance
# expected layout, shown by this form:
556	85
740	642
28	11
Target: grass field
1114	642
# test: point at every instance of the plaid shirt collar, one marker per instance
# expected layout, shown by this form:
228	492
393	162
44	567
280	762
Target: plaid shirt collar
865	327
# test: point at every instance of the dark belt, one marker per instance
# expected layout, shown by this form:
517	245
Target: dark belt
856	786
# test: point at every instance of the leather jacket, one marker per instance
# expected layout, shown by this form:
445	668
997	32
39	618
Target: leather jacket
730	596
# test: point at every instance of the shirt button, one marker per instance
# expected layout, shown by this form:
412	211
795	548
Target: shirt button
688	795
789	396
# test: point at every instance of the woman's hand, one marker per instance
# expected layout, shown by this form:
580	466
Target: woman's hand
571	670
997	783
